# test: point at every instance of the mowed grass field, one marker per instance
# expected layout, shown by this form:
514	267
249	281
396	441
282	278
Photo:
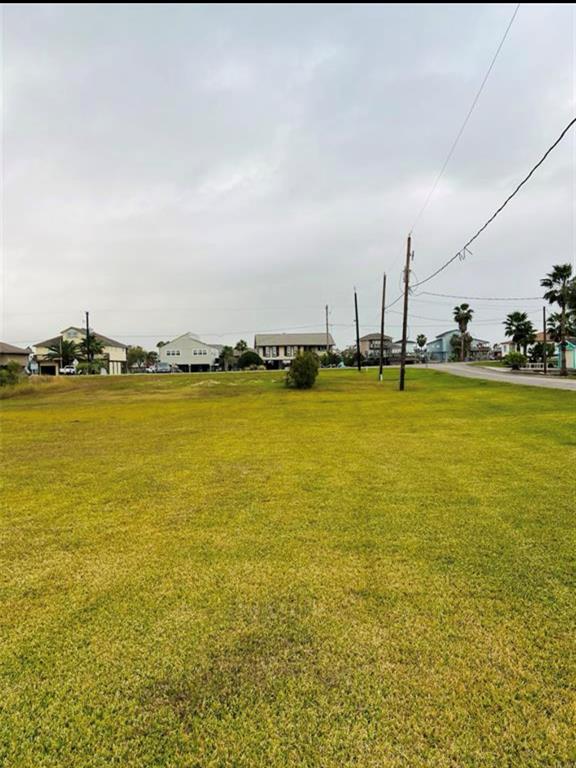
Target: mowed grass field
213	570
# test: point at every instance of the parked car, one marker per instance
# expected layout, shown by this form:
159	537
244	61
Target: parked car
68	370
162	368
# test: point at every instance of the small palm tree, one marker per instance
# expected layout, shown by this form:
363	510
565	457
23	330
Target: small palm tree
64	350
463	316
520	329
226	357
555	326
241	346
90	349
560	287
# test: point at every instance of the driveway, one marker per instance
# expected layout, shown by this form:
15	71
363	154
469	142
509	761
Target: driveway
505	376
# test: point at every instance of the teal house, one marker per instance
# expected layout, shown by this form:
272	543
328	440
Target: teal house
570	353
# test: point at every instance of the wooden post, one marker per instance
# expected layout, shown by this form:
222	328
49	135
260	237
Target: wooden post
545	352
380	374
409	256
88	353
327	339
357	331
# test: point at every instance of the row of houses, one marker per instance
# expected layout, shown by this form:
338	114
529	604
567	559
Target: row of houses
189	353
438	349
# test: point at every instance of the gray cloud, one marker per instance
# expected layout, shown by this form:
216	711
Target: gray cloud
228	169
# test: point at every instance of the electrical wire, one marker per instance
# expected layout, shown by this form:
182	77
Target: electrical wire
481	298
466	119
463	252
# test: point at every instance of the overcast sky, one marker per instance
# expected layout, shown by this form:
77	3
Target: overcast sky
232	169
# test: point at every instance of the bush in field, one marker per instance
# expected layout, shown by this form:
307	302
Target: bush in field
515	360
303	371
330	359
10	374
248	359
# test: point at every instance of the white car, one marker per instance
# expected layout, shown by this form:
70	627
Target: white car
68	370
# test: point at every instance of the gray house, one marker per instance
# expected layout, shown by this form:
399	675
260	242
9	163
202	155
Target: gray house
370	346
188	353
279	349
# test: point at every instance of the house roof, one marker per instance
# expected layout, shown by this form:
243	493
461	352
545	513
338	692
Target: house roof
408	341
10	349
457	332
445	333
302	339
194	337
374	337
104	339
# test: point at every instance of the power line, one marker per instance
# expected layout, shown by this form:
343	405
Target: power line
463	252
482	298
396	300
466	119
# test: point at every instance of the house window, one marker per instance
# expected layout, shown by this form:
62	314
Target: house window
271	352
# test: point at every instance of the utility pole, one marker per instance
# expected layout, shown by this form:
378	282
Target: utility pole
380	374
409	256
545	353
88	354
327	339
357	331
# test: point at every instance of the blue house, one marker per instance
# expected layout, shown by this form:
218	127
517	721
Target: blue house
440	349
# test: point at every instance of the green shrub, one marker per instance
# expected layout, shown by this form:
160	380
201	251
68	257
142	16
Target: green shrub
303	371
248	359
515	360
11	374
92	368
330	359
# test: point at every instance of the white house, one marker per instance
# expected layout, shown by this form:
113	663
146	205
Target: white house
506	347
188	353
113	352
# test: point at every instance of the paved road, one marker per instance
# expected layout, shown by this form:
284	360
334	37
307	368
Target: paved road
501	375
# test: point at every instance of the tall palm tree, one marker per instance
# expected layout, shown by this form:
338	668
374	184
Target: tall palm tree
463	316
520	329
560	286
64	350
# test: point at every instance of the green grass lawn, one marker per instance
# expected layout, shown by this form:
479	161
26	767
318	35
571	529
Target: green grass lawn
203	571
